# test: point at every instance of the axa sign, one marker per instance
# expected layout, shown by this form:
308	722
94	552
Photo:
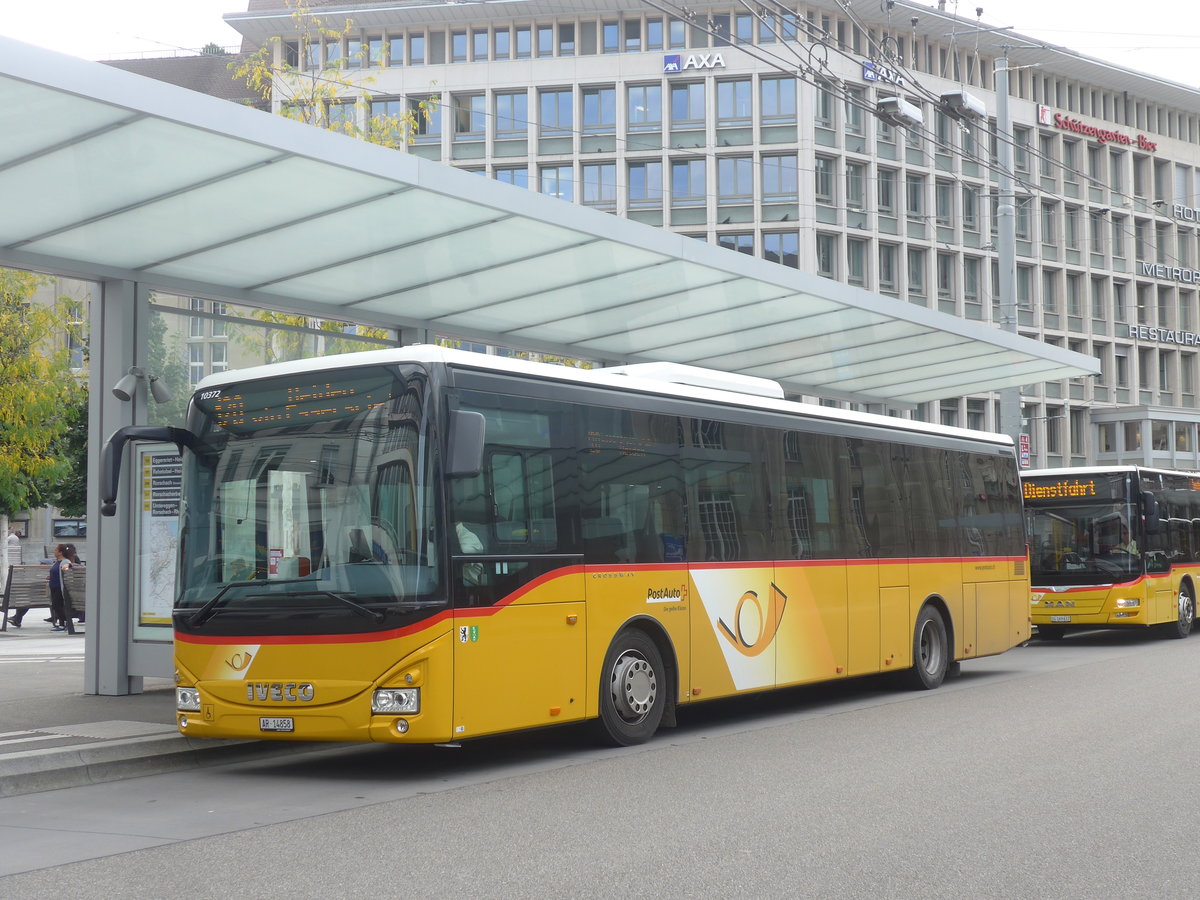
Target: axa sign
677	62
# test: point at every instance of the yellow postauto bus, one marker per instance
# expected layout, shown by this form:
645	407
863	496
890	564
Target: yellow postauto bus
427	545
1112	547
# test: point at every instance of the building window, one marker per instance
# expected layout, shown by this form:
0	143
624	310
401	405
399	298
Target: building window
600	110
556	118
916	272
823	110
688	182
943	203
856	101
779	179
645	183
970	207
518	176
827	255
945	276
195	363
545	40
886	190
914	196
742	243
416	49
502	43
735	179
600	184
458	46
887	268
566	39
778	101
856	261
687	104
524	44
645	107
512	114
734	104
823	167
427	113
782	248
856	180
470	117
556	181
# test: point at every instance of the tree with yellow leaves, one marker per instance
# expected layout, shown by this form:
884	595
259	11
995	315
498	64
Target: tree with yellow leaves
36	385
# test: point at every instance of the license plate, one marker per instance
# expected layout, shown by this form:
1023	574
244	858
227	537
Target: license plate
1052	619
266	723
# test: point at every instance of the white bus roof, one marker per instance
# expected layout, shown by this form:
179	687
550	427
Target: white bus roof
663	380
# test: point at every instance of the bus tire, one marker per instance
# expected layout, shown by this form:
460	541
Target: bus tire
633	689
931	651
1051	632
1182	626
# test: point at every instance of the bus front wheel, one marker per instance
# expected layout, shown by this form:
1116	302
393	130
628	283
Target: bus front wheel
632	689
1186	618
931	651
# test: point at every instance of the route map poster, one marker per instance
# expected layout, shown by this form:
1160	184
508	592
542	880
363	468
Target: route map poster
157	538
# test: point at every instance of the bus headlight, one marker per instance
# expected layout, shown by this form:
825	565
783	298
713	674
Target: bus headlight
1128	602
396	700
187	699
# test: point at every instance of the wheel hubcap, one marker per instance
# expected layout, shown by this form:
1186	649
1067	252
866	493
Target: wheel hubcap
931	649
1186	612
634	686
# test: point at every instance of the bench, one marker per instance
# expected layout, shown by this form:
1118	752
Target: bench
27	587
74	585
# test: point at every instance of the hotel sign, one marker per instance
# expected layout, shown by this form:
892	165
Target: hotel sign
1052	119
1169	273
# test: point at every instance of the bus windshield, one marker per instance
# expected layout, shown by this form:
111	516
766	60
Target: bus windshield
1084	533
309	505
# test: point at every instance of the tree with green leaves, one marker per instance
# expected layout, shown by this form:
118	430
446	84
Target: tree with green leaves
36	385
332	94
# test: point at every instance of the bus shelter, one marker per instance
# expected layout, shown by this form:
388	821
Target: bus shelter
141	185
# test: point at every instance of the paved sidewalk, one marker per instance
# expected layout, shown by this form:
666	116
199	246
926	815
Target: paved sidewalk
53	735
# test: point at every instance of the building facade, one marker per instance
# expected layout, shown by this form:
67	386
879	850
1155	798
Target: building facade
761	131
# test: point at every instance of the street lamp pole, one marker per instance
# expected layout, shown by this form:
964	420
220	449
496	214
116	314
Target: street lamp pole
1006	242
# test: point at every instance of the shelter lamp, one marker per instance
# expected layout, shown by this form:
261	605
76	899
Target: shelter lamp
127	386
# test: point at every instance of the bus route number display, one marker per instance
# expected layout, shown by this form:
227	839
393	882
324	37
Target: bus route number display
238	409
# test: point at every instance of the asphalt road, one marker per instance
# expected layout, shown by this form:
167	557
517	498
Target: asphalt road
1056	770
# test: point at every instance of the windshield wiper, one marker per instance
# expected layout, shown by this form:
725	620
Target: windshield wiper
209	609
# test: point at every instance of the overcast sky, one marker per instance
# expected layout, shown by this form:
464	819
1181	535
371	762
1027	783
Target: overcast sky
1161	37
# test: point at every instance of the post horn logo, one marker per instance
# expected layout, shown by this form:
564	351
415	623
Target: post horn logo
239	661
768	621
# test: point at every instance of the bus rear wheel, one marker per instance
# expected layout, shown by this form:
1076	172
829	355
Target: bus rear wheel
1186	618
633	689
931	651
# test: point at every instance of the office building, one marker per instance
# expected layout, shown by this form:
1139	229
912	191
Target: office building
859	144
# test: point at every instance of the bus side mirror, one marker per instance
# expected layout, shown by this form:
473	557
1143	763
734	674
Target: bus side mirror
1154	524
464	456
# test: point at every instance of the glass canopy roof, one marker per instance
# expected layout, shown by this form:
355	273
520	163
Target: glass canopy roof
106	174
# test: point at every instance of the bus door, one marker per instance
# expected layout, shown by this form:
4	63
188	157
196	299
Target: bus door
519	619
